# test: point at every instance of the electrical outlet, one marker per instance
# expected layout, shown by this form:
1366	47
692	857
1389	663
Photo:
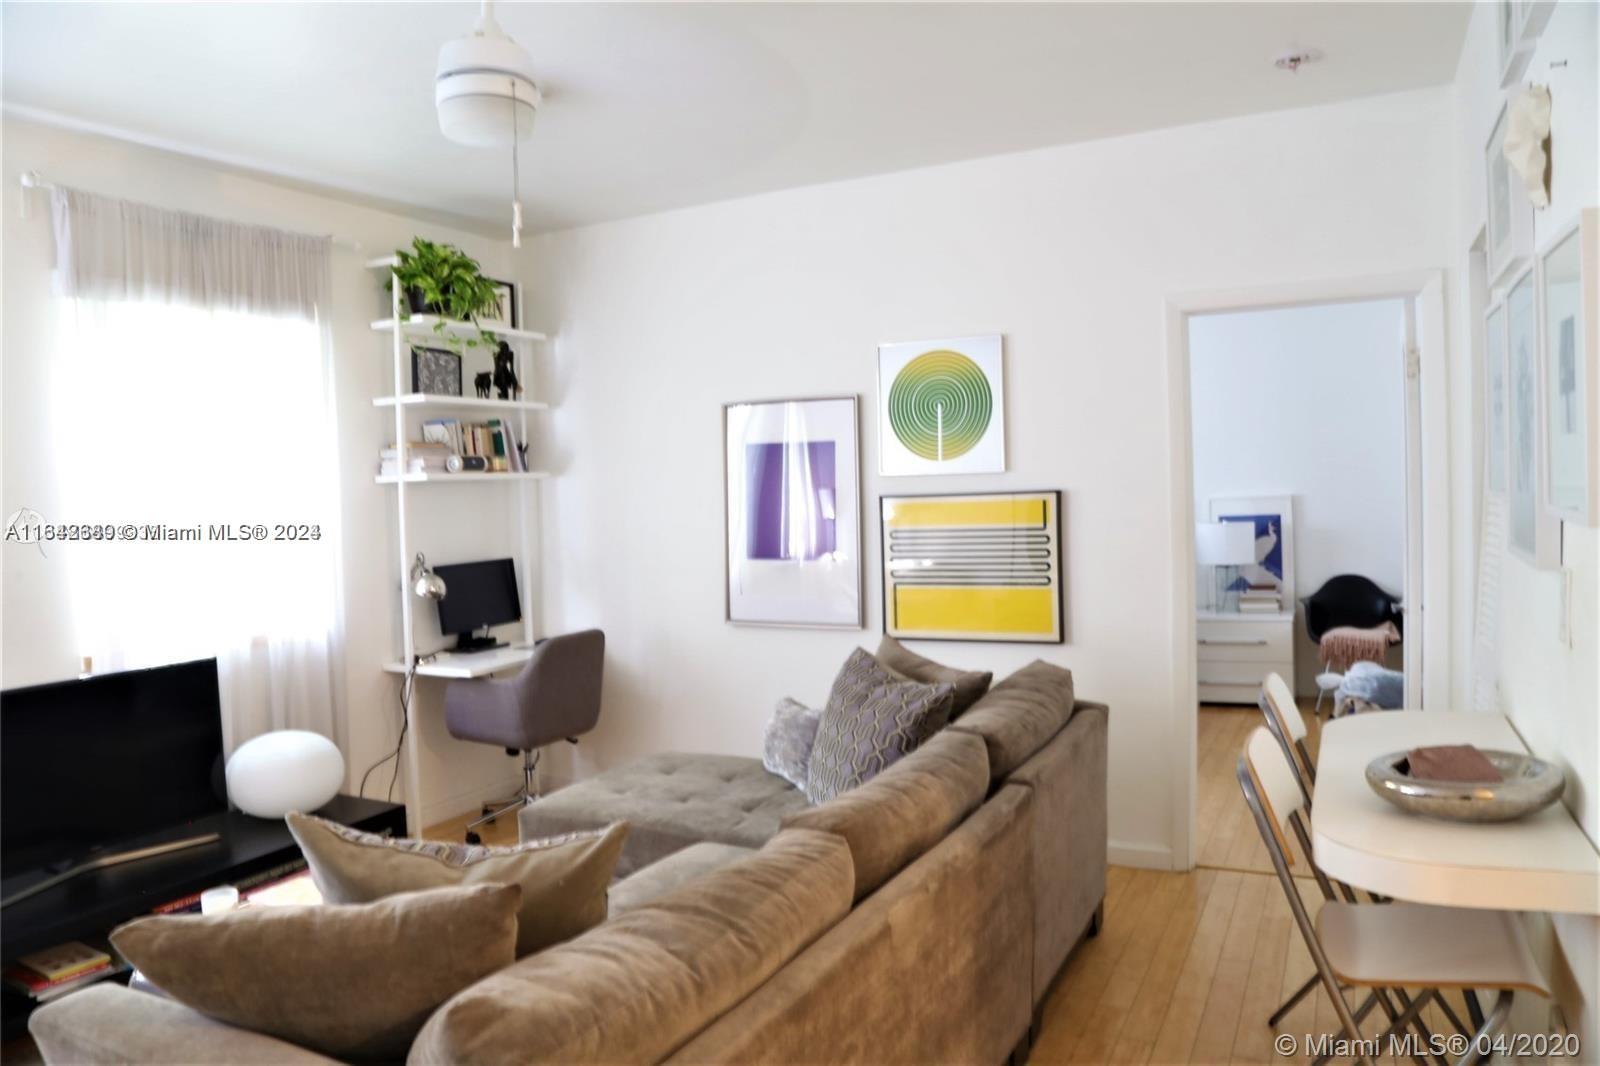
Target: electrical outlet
1564	620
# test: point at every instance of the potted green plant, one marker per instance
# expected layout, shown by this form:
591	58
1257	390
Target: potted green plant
441	279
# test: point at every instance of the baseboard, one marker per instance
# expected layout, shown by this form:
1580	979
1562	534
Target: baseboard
1148	856
444	808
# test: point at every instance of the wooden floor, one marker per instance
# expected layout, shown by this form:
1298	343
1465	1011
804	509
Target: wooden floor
1189	966
1228	837
499	833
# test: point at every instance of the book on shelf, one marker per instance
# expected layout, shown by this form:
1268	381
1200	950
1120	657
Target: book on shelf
46	974
64	960
190	904
42	990
494	441
392	468
418	457
1258	608
296	889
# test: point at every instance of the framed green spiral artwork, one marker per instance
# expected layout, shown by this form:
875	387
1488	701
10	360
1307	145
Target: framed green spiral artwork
941	407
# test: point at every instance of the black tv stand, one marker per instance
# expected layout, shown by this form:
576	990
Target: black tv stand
467	643
85	907
56	874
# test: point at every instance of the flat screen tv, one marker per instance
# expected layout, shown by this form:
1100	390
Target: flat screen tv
99	761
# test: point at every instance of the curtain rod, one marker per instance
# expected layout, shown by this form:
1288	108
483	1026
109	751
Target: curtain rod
31	180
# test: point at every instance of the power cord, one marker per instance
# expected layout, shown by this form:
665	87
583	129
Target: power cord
405	725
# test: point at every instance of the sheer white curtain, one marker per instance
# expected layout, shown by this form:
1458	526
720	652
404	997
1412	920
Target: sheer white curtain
193	406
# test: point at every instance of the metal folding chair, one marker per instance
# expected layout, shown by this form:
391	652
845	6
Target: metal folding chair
1288	725
1384	948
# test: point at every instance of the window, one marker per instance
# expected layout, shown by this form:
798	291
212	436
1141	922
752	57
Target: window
208	437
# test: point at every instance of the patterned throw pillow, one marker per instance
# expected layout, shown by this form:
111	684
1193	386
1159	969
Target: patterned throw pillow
791	733
874	716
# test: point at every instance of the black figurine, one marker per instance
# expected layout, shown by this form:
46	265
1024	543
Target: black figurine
505	378
482	383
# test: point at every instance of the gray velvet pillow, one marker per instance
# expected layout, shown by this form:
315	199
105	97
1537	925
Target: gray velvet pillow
791	734
873	717
970	684
352	981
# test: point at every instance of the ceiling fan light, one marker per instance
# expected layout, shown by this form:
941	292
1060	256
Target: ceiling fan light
481	81
480	116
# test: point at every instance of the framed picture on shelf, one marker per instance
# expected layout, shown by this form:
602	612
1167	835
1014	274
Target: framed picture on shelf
1509	214
1272	519
1532	534
1568	277
504	314
792	493
1496	401
435	371
984	566
941	407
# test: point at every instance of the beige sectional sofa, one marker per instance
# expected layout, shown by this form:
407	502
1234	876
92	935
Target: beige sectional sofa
917	918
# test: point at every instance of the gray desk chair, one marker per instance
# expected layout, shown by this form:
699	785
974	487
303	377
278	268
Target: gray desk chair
555	697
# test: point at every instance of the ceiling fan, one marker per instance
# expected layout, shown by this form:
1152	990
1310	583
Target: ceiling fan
486	96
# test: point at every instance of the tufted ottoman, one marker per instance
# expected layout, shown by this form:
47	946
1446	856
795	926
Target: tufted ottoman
671	802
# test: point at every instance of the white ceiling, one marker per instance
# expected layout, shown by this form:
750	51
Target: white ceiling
655	106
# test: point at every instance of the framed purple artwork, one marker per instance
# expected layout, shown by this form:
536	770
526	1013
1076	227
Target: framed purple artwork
792	493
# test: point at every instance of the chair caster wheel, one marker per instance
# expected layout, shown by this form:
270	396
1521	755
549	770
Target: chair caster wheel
474	838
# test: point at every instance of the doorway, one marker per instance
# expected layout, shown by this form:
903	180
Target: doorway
1308	437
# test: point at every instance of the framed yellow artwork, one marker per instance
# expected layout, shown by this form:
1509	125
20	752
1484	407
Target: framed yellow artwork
984	566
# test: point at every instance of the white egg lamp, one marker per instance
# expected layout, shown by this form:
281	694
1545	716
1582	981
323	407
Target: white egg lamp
287	770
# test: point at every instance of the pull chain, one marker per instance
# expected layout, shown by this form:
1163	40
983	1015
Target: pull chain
516	175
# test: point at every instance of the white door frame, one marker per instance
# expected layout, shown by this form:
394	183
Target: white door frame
1428	586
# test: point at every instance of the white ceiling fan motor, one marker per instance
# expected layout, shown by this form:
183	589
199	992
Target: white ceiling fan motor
484	87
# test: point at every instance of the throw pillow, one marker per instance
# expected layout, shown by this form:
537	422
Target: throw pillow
563	878
791	734
352	982
873	717
970	684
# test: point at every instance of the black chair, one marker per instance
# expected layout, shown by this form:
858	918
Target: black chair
1350	600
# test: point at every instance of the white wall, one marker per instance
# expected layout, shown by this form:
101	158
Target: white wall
1308	402
37	643
1070	252
1550	690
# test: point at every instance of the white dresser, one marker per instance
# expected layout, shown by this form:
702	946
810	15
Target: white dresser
1237	651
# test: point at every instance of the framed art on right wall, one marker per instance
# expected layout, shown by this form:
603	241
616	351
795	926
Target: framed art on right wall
1533	534
1509	214
1568	276
1511	50
1495	407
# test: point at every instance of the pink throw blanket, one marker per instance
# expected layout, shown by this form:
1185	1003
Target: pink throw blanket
1343	645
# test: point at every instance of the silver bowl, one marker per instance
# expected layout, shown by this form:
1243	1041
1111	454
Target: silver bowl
1528	785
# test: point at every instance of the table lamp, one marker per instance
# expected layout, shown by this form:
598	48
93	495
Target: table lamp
424	582
1224	546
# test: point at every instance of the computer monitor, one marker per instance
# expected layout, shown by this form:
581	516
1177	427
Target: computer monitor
476	596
